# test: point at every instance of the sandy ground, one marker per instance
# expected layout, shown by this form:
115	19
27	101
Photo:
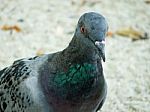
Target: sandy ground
48	26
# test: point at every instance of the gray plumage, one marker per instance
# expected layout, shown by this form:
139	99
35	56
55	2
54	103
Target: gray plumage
71	80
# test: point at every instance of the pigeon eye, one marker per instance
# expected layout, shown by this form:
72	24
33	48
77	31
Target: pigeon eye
82	29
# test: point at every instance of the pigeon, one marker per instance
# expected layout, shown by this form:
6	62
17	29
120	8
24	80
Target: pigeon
70	80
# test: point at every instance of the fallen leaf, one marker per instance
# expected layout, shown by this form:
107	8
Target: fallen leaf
147	1
131	33
40	52
110	34
7	27
16	28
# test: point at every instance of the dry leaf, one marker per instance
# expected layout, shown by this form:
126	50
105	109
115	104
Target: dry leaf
110	34
131	33
7	27
147	1
16	28
40	52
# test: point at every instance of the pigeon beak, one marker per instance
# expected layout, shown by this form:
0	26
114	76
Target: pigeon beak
101	48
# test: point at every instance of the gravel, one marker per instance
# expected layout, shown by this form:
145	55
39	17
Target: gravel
48	25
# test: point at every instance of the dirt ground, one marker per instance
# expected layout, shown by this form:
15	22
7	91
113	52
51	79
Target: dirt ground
48	25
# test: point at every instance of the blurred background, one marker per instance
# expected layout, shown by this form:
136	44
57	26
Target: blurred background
29	28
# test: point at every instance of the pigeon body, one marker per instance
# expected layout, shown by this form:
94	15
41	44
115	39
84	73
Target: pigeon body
71	80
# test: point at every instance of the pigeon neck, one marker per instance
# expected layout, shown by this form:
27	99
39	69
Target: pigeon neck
79	52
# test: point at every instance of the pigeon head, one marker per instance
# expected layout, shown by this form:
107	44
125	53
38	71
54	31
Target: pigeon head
91	31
